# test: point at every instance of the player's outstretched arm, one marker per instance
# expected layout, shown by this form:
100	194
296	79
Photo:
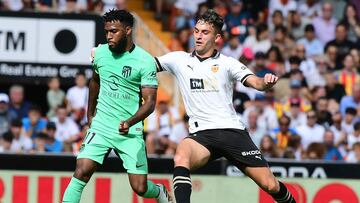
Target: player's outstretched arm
149	96
94	87
261	84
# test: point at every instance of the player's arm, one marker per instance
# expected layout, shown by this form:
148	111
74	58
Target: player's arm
94	87
262	84
148	93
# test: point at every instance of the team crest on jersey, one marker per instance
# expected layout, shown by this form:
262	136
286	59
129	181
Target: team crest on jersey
126	71
215	68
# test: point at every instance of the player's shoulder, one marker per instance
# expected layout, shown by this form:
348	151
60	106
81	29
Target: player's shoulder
177	54
232	62
142	55
101	50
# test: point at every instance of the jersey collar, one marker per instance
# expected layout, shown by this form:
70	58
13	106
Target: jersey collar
214	55
132	48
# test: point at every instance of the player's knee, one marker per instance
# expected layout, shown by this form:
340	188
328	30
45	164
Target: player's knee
82	173
270	185
181	159
139	189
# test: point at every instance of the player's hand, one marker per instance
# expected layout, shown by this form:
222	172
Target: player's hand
124	128
270	79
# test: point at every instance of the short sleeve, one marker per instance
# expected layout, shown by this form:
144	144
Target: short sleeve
148	74
96	59
167	61
239	71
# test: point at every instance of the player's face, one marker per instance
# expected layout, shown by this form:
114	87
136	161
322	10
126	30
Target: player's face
116	36
205	38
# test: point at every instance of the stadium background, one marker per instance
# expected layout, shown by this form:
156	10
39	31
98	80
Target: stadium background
43	39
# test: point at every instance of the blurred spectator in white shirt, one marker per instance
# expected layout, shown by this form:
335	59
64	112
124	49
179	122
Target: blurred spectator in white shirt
311	132
325	24
66	128
20	143
77	98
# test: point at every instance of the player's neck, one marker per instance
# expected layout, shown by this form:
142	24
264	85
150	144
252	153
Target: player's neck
212	52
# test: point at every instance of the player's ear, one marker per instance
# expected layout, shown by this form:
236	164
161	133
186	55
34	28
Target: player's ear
128	30
217	37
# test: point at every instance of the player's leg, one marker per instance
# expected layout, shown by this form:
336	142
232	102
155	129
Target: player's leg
265	179
241	151
133	154
189	155
83	172
92	152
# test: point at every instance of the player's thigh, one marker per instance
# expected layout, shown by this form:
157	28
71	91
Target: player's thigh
95	147
138	181
132	151
237	146
84	169
191	154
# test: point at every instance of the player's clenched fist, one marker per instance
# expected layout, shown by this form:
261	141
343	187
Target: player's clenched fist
124	128
270	79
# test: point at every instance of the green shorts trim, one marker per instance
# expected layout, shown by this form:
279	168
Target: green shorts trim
130	148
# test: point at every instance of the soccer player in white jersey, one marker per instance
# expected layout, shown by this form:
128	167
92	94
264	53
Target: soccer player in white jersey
206	80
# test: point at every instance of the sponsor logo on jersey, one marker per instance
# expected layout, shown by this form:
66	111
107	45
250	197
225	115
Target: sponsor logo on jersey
215	68
114	82
192	68
196	83
126	71
249	153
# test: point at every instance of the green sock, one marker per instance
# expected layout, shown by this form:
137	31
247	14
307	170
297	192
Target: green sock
152	190
73	191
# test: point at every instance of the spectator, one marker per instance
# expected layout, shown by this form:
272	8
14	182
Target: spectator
325	24
332	152
285	6
260	68
164	127
77	97
40	142
98	7
316	150
308	67
28	6
340	8
275	61
313	46
354	155
233	47
311	132
349	119
5	142
294	145
13	5
52	144
351	21
296	24
348	77
277	19
267	116
268	148
355	53
322	113
261	41
55	96
351	100
179	42
310	8
334	90
238	21
20	143
34	124
331	55
256	132
6	115
17	103
341	42
282	40
354	136
66	128
76	146
282	134
296	116
336	128
295	93
186	9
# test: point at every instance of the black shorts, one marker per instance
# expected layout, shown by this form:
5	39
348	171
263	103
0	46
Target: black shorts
233	144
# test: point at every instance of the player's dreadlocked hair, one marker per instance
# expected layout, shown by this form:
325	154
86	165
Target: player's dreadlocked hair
212	18
119	15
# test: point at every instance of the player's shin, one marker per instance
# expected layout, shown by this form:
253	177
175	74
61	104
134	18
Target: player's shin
182	184
73	191
284	195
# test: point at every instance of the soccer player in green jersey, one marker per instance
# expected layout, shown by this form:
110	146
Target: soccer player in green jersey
124	75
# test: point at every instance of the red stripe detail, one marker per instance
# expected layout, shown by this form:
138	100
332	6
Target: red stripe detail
45	189
20	189
102	190
64	182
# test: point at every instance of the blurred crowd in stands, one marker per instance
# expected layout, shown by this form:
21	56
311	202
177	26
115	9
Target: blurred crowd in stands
312	45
